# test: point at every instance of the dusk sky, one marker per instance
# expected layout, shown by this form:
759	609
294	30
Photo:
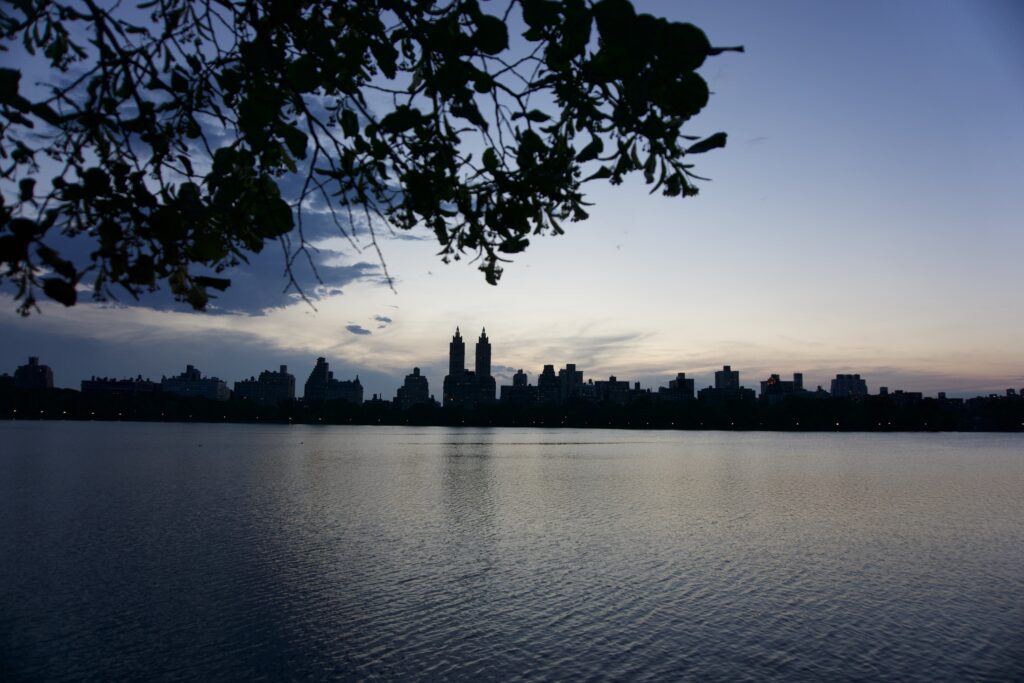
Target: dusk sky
866	216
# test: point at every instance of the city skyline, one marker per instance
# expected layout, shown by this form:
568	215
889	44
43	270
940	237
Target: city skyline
470	386
865	217
556	398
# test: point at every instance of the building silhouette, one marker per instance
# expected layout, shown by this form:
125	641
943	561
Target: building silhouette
521	391
679	389
570	382
33	375
108	386
464	387
548	386
484	380
639	394
568	387
905	398
321	386
727	388
727	379
458	383
270	389
191	383
611	390
775	389
848	386
414	391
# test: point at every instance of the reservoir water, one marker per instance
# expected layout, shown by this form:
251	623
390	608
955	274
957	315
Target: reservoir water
133	551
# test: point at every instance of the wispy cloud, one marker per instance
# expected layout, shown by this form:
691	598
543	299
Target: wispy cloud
357	329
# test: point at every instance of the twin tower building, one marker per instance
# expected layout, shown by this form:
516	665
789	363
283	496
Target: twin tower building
464	387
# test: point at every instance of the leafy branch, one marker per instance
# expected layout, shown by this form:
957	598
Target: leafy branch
164	134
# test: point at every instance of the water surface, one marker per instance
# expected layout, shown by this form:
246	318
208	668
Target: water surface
191	551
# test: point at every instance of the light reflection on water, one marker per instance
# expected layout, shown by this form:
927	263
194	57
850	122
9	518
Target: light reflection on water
223	551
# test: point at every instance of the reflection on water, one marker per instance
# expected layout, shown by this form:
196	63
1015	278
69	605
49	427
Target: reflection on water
215	551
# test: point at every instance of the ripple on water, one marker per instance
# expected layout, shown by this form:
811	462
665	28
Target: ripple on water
360	553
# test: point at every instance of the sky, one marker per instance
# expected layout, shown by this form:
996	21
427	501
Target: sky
866	216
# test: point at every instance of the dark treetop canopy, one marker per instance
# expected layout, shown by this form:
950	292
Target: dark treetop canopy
166	140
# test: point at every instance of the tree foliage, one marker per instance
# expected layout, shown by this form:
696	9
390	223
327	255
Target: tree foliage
165	134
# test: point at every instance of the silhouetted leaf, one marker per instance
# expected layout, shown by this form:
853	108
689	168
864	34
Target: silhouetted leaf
61	266
591	151
514	246
60	290
46	113
576	26
179	82
296	141
490	160
708	143
349	122
689	46
401	119
220	283
27	186
12	249
470	112
386	57
9	79
614	19
302	73
719	50
96	181
491	34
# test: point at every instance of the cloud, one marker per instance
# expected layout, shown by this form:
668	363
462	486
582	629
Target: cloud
409	237
383	319
257	285
357	329
587	351
329	262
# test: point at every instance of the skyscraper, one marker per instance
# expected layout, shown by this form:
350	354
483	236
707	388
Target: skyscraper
456	355
483	355
484	381
548	390
458	383
464	387
316	385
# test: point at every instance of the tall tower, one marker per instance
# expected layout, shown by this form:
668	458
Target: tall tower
483	356
319	379
485	384
457	355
